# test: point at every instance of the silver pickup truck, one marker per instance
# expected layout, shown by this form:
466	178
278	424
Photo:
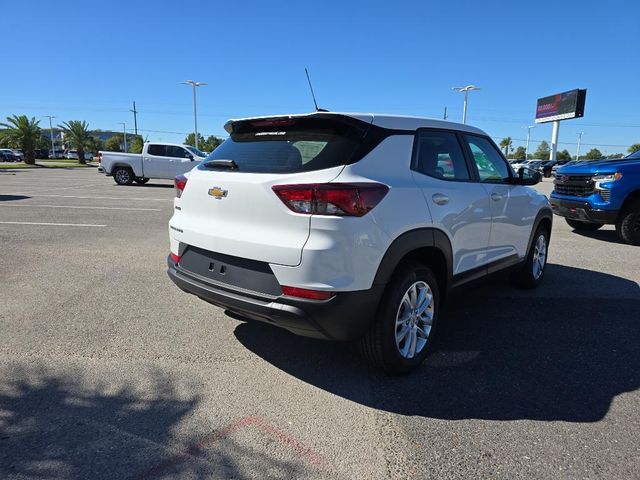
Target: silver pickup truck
157	160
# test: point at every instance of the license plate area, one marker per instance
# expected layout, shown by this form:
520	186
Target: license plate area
230	271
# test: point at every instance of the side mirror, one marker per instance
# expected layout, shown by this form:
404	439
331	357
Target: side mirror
528	176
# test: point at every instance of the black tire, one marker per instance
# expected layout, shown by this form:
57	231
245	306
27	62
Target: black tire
527	277
123	175
583	226
628	224
141	181
379	346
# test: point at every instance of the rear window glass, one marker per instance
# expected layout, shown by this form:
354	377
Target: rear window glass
289	145
156	150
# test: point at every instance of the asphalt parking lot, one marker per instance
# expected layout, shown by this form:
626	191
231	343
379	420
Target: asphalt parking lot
107	370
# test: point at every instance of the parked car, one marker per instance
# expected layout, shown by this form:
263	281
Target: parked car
18	153
558	164
592	194
57	154
157	160
73	154
41	153
353	226
7	155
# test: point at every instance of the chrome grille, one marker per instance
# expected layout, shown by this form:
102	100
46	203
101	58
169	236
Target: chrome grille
574	185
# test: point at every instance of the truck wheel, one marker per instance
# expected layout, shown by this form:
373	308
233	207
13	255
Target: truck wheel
123	175
628	224
583	226
141	181
532	272
402	333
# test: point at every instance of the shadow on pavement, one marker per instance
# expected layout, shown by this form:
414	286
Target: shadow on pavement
54	426
603	235
550	354
10	198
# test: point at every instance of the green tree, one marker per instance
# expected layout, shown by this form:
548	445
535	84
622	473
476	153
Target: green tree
593	154
519	154
95	144
22	132
563	155
191	140
135	144
505	144
114	143
615	155
542	152
212	143
634	148
76	134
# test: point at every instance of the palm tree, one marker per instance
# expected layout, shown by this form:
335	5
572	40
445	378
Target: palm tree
22	132
506	144
76	134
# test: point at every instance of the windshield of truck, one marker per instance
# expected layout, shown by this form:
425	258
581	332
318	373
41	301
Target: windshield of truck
195	151
288	145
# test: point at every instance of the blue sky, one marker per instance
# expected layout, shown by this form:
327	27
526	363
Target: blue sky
90	60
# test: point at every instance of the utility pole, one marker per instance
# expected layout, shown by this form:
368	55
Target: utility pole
124	132
195	111
135	118
53	146
445	113
526	148
466	91
578	150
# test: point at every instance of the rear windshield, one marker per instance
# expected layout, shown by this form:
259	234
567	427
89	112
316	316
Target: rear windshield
289	145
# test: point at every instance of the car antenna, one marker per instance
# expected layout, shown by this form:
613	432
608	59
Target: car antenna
312	94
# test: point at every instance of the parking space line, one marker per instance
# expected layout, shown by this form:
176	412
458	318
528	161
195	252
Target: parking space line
83	207
101	198
54	224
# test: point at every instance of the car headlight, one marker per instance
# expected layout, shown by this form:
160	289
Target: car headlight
606	178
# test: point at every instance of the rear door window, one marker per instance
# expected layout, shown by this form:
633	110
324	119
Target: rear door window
290	145
439	155
157	150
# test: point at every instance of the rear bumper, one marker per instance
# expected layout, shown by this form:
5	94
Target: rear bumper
580	210
346	316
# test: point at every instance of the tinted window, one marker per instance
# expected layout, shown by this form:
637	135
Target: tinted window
439	155
177	152
157	150
292	145
492	168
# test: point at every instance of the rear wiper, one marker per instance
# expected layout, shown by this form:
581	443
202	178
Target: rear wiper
230	164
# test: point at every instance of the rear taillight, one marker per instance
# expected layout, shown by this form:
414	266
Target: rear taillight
180	182
340	199
99	157
306	293
174	258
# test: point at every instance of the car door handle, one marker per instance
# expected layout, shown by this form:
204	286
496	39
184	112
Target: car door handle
496	197
440	199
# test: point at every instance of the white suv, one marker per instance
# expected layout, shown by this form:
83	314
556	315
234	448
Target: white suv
353	226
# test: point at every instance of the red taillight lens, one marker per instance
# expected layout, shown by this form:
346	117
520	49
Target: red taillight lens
180	182
340	199
99	157
305	293
174	258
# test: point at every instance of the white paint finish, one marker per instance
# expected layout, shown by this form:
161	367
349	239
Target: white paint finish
81	207
251	221
53	224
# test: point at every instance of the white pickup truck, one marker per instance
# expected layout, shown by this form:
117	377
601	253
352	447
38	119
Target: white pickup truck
157	160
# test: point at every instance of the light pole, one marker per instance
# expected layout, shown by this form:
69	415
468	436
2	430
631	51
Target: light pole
578	150
124	133
53	146
526	148
195	110
466	91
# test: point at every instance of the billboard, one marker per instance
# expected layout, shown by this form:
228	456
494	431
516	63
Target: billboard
561	106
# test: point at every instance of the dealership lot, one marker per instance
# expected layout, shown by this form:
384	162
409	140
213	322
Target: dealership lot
107	370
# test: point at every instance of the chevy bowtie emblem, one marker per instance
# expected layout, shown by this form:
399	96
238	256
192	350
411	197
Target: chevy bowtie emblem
217	192
564	178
